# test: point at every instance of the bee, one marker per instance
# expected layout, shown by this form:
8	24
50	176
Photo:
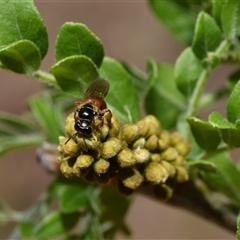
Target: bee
90	111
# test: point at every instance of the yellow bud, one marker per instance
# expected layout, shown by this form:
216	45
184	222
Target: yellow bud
152	143
104	132
115	126
83	161
170	154
175	138
142	128
170	168
130	132
164	141
66	169
163	192
124	190
131	178
125	158
69	125
101	166
155	173
183	148
155	157
179	161
141	155
182	174
68	149
154	125
110	148
139	143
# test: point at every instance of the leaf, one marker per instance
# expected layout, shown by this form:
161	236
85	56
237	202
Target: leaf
74	74
74	197
233	79
176	17
21	21
122	96
226	180
203	165
163	99
21	57
238	227
55	224
229	132
26	229
77	39
231	19
46	113
16	123
204	133
233	105
218	6
109	196
19	141
207	36
187	71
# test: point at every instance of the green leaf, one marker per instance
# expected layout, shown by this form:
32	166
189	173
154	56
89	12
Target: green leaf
77	39
203	165
187	71
109	196
19	141
238	227
15	122
21	57
233	79
204	133
21	21
231	19
55	224
226	180
26	229
47	114
229	132
74	197
218	6
163	99
207	36
176	16
233	105
74	74
122	96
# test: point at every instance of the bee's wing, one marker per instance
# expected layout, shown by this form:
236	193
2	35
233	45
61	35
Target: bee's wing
98	88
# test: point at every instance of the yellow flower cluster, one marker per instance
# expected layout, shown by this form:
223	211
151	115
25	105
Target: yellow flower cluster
131	155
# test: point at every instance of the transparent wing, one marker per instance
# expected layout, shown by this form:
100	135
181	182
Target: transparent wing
99	88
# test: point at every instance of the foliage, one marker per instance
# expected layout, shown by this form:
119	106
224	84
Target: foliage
209	29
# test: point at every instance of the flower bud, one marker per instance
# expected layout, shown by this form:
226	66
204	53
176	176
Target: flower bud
101	166
131	178
139	143
170	168
141	155
110	148
66	169
130	132
104	132
156	157
70	149
69	125
125	158
83	161
152	143
175	138
170	154
183	148
182	174
142	128
154	125
155	173
164	141
163	192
